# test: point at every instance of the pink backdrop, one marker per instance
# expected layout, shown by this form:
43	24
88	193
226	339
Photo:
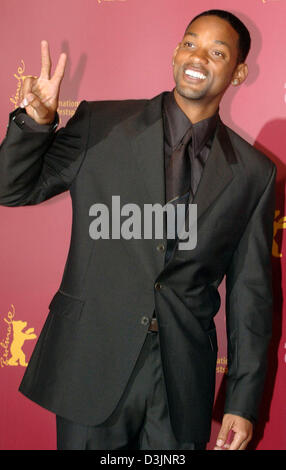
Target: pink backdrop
122	49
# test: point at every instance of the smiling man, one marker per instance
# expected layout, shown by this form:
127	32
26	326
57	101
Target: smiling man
210	57
127	356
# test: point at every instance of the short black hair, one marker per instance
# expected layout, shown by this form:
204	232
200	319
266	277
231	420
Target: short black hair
238	26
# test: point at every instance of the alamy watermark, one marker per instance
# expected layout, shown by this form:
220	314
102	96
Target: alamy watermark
144	224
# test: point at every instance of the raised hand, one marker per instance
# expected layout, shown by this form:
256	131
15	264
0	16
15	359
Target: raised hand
40	95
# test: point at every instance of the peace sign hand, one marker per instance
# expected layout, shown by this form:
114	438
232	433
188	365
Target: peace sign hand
41	95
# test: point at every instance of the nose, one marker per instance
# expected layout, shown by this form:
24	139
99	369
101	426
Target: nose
199	56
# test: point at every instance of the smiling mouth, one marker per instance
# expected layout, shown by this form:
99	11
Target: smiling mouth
195	75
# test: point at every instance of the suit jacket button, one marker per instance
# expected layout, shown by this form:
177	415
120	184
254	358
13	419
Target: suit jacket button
158	286
161	247
145	320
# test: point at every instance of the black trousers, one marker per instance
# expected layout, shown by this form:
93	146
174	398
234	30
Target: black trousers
140	420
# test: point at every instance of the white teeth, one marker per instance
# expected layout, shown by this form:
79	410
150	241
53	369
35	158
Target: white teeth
194	74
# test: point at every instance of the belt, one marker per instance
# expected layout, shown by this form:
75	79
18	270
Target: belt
153	325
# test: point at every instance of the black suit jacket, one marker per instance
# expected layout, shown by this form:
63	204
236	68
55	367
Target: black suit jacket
97	321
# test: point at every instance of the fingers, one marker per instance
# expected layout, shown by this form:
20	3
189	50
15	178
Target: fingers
239	441
40	95
223	438
32	103
60	69
27	87
235	433
47	64
233	441
46	60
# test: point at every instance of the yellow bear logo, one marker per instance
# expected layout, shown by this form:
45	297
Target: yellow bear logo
19	337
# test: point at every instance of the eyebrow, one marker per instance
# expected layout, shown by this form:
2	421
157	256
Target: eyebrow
216	41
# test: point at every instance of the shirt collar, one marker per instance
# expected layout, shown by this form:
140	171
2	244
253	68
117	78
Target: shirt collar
177	124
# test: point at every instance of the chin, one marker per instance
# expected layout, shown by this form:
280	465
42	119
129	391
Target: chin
191	94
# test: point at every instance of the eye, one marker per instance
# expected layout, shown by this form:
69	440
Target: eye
189	44
219	54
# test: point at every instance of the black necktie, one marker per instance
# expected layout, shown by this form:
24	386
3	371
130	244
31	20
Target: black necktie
178	182
196	173
178	172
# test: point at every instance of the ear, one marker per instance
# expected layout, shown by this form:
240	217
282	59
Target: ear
240	74
175	52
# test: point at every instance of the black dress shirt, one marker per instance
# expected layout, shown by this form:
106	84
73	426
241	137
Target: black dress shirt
176	124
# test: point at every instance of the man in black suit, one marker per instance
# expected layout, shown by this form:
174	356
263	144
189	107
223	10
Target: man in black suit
127	355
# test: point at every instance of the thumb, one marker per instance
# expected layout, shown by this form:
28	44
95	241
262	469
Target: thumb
27	86
223	434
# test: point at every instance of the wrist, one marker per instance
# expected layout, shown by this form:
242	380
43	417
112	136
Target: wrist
26	122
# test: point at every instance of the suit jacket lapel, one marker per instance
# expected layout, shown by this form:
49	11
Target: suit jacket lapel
148	147
217	173
148	152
